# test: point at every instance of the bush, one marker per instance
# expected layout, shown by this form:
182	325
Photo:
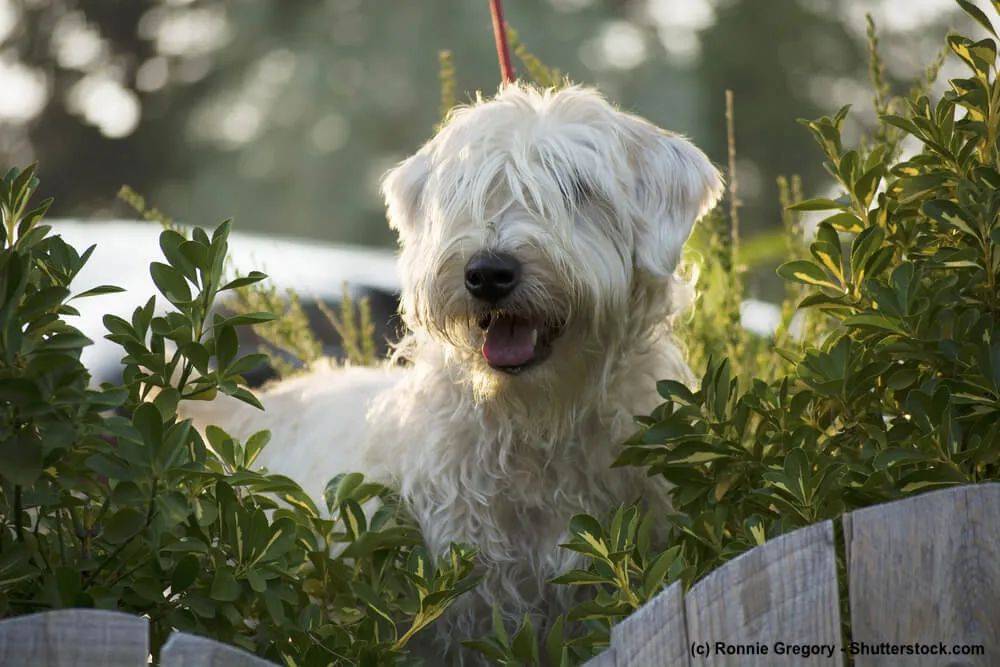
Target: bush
133	510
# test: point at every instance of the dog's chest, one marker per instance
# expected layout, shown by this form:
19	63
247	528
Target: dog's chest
511	496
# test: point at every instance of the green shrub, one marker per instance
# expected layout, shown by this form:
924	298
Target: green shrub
903	392
133	510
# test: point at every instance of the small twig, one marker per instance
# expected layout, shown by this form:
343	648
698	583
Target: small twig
34	533
18	519
59	535
734	202
150	513
507	74
736	338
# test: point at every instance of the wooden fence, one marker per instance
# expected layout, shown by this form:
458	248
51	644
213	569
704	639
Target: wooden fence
922	573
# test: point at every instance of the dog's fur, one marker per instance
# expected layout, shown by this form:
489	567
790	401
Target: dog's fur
596	204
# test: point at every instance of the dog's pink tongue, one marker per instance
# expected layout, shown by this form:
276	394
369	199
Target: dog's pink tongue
510	341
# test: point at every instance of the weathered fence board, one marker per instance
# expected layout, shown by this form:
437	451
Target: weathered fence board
75	638
653	635
782	594
604	659
927	569
184	650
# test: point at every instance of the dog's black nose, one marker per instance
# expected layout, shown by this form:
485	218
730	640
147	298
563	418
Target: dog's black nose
492	276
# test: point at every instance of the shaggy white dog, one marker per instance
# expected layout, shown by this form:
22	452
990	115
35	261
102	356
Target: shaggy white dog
539	233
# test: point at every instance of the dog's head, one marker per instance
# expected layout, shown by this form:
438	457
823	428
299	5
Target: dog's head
529	222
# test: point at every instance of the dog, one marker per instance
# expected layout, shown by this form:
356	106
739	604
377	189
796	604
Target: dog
539	233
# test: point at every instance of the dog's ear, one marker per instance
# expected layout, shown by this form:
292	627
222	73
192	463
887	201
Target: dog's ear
403	187
674	185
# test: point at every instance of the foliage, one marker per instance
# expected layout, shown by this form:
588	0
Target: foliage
137	203
354	326
133	510
288	340
536	70
625	568
895	391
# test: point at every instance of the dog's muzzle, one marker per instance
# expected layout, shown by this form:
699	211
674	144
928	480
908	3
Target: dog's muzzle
514	341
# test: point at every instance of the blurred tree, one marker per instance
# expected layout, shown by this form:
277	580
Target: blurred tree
774	56
284	114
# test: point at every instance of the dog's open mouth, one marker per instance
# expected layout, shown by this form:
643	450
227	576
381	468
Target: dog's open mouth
514	343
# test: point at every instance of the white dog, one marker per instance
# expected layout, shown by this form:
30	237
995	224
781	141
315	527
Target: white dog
539	233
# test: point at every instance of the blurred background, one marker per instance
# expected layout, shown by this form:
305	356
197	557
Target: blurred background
283	114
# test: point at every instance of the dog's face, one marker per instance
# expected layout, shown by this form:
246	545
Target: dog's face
527	225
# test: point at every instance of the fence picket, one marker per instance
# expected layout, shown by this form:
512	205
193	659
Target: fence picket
75	638
652	636
782	592
927	569
606	658
184	650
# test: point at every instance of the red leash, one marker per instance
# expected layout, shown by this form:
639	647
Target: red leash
507	74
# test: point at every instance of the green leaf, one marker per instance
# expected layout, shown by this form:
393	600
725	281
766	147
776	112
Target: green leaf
370	597
354	518
171	283
244	395
866	186
864	246
225	588
170	245
226	345
246	318
875	321
806	272
894	455
584	524
196	254
978	15
124	524
902	378
256	581
148	421
254	445
67	341
69	584
844	222
185	573
243	281
950	214
657	570
246	364
581	578
21	458
341	487
819	204
524	645
488	647
98	291
554	641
